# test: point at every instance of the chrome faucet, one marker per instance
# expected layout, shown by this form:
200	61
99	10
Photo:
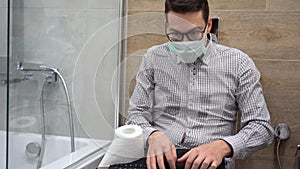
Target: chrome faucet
29	70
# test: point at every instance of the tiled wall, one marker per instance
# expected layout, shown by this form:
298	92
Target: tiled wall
3	108
267	30
3	12
3	51
80	38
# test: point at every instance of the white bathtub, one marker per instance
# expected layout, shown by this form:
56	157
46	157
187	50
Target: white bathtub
57	150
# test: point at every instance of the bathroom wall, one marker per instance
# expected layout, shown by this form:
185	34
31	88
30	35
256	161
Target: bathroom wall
3	53
78	37
268	30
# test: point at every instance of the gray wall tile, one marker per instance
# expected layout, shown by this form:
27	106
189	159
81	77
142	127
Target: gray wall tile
98	18
78	4
3	32
54	34
100	4
2	107
3	3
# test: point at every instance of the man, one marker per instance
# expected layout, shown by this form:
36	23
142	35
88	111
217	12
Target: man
189	91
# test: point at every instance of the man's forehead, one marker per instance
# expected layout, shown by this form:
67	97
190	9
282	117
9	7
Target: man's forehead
187	20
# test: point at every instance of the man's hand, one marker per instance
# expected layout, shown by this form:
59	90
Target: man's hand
206	156
159	146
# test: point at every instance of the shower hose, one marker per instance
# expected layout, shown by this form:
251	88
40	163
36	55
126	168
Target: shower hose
42	109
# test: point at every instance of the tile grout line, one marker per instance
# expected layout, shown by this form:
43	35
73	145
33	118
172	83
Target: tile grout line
281	60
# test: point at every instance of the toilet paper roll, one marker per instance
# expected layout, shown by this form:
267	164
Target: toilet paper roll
127	146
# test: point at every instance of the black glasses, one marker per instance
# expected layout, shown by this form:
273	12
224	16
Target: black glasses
192	35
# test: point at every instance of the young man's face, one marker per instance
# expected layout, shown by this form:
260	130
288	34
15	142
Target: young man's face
187	23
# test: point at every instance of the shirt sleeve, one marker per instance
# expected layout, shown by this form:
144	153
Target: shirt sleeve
141	101
256	131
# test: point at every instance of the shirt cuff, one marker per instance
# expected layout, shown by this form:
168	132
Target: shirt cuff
237	144
147	131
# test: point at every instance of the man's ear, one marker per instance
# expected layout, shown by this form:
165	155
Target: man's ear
209	25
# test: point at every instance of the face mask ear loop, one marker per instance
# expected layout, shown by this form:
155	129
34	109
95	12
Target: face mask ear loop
166	25
207	40
210	38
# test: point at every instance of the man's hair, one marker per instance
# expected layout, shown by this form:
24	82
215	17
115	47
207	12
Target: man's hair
185	6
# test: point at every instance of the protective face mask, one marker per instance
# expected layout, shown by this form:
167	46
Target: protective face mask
188	51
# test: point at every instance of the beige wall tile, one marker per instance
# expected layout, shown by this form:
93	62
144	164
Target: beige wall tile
268	31
145	30
280	80
237	4
148	5
158	5
261	34
145	23
148	40
283	5
288	147
266	162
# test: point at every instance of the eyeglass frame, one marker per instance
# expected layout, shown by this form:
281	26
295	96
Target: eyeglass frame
185	34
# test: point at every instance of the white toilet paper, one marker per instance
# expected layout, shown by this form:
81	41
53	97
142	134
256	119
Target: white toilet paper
127	146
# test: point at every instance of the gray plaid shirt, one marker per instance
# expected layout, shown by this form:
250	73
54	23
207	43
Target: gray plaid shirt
197	103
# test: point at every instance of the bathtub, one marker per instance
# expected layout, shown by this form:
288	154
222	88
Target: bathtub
57	151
